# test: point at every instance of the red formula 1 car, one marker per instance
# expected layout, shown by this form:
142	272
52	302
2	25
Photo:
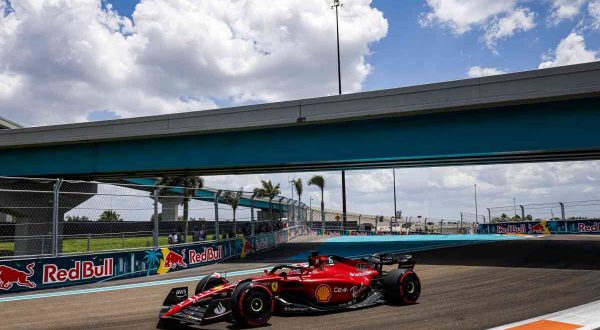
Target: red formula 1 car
328	283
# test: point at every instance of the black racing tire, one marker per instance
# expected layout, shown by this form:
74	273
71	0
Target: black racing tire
251	304
208	283
402	286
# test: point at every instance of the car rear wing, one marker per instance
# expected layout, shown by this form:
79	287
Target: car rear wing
405	261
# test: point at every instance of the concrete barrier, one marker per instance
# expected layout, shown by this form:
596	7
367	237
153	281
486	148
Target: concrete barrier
542	227
44	273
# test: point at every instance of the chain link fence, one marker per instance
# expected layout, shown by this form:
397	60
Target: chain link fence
333	221
50	217
571	210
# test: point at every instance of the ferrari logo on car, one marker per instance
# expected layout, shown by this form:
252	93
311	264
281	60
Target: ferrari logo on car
323	293
274	286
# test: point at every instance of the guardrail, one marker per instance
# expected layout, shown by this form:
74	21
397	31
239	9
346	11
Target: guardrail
51	272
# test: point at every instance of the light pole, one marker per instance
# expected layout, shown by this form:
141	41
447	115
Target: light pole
515	207
395	210
311	213
292	186
336	4
476	212
292	182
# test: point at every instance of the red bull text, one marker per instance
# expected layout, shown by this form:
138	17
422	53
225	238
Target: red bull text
584	228
512	229
82	270
208	254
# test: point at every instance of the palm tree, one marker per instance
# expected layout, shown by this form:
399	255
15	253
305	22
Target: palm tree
152	258
299	189
110	216
269	191
319	181
233	199
189	184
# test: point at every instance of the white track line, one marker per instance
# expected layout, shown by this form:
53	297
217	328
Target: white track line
586	316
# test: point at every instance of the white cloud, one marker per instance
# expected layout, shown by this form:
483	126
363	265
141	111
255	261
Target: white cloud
441	192
498	19
570	50
521	19
478	71
565	9
72	58
594	12
461	15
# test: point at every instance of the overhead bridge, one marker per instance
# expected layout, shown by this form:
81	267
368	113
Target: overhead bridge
542	115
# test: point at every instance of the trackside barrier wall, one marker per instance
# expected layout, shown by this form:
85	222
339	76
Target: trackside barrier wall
44	273
542	227
317	232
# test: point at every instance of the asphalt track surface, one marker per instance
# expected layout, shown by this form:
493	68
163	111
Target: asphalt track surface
466	287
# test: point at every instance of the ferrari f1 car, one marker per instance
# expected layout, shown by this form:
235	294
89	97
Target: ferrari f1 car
326	284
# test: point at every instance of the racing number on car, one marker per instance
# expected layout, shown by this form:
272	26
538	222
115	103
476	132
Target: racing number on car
323	293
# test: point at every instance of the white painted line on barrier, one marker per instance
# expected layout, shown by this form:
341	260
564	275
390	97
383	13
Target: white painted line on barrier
584	317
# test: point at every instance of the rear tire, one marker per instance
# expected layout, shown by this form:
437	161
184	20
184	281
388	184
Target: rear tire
251	304
402	286
208	283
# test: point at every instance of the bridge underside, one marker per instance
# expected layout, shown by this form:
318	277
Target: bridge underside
539	132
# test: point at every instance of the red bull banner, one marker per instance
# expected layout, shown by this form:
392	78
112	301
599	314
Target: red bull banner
335	232
582	226
45	273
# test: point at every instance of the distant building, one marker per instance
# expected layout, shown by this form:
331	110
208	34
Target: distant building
7	124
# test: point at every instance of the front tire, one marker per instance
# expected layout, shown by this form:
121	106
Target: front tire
208	283
252	304
402	286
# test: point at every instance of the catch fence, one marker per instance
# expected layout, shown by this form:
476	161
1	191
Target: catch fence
51	217
566	211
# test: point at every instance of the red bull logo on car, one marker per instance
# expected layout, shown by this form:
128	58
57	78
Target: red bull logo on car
10	276
207	255
82	270
587	228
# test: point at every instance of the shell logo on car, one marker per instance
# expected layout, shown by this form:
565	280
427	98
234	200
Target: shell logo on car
323	293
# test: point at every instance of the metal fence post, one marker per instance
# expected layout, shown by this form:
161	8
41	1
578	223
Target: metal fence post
461	220
562	210
217	214
55	208
156	224
489	215
522	212
252	224
89	236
